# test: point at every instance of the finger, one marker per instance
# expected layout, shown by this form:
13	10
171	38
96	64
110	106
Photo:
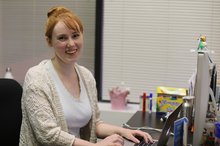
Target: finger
120	140
118	144
148	137
117	138
135	139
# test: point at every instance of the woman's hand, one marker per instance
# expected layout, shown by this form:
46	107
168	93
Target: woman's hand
104	130
113	140
133	134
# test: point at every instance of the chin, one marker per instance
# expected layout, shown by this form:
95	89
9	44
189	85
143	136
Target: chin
71	61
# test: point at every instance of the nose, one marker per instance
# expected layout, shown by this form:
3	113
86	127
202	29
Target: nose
71	42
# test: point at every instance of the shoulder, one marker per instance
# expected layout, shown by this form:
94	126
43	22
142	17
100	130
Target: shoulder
39	69
37	73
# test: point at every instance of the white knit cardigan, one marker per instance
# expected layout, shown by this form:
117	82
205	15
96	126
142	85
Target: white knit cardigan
43	122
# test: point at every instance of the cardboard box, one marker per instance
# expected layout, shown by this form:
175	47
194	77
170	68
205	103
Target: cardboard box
168	98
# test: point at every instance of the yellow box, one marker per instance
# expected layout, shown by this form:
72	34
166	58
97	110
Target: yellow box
168	98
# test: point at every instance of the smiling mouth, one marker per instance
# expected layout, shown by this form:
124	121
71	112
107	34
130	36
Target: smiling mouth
70	51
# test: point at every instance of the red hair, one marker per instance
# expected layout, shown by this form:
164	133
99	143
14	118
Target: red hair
60	13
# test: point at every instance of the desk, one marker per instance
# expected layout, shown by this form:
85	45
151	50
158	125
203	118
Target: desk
140	119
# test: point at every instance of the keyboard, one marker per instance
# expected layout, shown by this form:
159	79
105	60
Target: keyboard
143	143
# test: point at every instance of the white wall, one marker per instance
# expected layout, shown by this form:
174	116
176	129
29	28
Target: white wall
147	43
22	40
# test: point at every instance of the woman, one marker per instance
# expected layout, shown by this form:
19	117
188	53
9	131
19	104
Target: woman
59	100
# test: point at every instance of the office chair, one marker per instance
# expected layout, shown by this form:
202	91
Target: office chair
10	111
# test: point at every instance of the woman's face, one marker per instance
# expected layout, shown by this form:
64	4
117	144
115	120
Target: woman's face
67	43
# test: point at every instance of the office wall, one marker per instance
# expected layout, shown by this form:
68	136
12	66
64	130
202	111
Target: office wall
22	41
148	43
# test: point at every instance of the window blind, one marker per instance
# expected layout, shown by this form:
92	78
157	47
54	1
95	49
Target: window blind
22	40
147	43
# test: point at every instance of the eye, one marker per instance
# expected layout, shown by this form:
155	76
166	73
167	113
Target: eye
62	38
75	35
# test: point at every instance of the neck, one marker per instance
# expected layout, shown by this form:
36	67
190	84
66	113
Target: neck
63	68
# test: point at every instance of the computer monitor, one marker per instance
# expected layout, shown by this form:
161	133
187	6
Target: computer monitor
205	86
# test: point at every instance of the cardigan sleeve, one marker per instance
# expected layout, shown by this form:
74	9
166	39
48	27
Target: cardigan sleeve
41	111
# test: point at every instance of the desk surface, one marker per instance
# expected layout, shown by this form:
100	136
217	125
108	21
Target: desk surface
140	119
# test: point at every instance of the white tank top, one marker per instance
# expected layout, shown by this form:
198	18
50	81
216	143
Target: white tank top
77	111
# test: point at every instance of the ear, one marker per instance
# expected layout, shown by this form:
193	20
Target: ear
48	42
